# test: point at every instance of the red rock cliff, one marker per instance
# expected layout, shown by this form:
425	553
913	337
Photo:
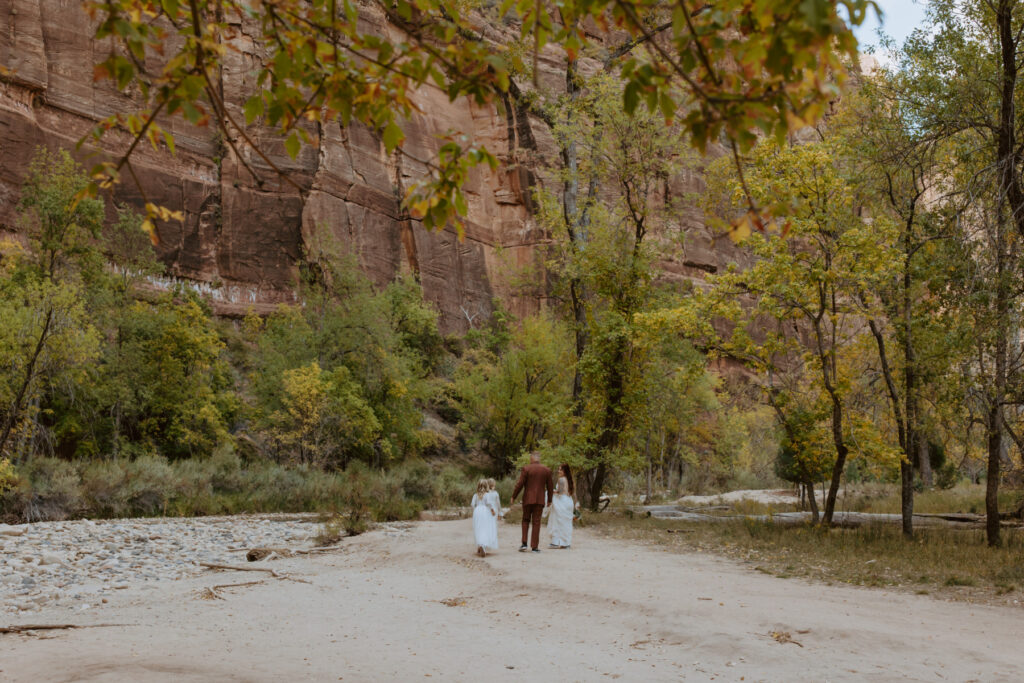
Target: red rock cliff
240	240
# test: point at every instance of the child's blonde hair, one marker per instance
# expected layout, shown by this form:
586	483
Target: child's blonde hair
491	484
481	486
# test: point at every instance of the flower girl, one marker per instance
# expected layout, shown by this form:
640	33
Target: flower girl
485	520
494	498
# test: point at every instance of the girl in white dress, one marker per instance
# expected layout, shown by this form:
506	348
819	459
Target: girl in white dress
563	504
485	524
495	498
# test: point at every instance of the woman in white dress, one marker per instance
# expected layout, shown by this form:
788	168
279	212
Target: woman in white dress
485	524
563	504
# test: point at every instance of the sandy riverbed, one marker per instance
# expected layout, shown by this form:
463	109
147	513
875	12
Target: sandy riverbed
415	604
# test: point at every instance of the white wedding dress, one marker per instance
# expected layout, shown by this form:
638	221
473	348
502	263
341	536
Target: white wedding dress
560	518
485	523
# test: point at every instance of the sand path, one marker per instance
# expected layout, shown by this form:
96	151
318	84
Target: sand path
606	609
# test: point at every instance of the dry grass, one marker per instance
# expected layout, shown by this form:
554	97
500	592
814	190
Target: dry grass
948	563
332	530
969	498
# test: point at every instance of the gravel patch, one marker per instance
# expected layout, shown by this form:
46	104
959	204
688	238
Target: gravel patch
76	563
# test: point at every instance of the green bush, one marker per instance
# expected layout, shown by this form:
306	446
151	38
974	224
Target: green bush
193	493
947	476
390	503
356	498
417	480
454	488
149	483
47	489
103	488
53	489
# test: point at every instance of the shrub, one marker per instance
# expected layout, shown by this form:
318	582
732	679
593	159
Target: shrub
8	477
225	470
454	488
193	492
390	503
103	488
149	482
47	489
947	476
417	480
356	499
330	531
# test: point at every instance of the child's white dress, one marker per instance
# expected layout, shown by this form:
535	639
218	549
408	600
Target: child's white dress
494	499
485	523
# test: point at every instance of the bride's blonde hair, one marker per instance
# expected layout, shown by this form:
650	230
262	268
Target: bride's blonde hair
491	484
481	486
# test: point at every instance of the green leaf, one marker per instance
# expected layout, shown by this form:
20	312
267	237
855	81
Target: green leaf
392	136
631	96
460	203
253	108
293	145
170	7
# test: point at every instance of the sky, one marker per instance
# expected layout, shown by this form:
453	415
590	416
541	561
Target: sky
900	18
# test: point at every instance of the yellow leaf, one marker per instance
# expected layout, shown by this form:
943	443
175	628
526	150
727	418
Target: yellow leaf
150	229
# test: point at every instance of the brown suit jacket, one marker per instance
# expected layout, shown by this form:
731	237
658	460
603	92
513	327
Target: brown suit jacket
534	481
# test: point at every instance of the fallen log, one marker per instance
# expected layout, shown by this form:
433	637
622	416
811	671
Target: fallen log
210	592
257	554
237	568
845	520
51	627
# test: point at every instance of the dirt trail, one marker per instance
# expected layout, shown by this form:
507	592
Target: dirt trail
606	609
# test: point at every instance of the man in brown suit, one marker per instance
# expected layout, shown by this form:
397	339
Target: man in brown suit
535	483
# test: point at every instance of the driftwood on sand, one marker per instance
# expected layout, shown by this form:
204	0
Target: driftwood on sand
238	568
27	628
257	554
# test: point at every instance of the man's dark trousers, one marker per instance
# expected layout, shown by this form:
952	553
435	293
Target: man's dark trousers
531	515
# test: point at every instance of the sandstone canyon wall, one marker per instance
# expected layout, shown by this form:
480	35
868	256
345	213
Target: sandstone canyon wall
241	240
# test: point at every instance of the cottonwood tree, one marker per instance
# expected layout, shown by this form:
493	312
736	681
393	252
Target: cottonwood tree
898	171
958	80
802	288
513	400
606	264
46	337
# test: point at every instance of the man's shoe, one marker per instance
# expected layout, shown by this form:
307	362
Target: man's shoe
522	548
535	550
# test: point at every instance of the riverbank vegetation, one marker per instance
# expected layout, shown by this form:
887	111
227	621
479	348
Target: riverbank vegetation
948	564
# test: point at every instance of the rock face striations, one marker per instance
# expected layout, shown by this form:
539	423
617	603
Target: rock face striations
242	237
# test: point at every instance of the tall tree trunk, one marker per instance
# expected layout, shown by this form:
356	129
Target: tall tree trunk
909	396
30	372
1012	198
812	501
994	433
597	479
841	452
650	476
904	430
923	457
574	224
1008	150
